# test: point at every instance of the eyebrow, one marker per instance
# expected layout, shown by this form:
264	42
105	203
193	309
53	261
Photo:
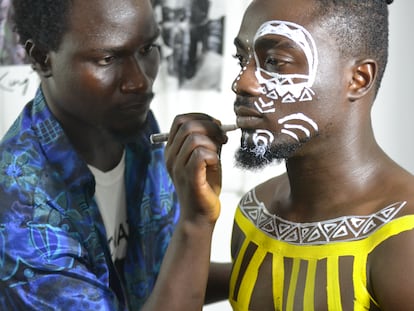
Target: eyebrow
156	35
117	49
240	44
283	43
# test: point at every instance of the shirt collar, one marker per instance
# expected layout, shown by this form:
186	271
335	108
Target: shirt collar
56	146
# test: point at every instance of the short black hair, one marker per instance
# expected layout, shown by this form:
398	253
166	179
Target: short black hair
43	21
360	28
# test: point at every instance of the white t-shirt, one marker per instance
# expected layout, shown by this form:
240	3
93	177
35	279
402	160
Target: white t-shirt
110	195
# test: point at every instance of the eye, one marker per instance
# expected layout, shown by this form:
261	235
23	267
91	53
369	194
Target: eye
107	60
274	64
241	60
149	49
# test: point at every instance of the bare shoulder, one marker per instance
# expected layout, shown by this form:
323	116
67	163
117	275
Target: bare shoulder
391	269
392	185
276	187
390	265
262	193
402	189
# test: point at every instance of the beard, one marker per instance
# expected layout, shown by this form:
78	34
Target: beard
255	158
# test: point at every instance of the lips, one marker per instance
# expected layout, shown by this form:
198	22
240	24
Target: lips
135	106
247	117
138	104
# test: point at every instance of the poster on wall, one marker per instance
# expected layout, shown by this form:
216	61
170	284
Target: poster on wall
192	35
18	81
191	42
11	52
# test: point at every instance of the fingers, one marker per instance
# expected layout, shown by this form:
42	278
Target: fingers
192	131
191	149
193	162
184	118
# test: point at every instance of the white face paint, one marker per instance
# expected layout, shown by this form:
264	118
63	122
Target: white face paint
262	139
286	88
279	87
283	86
290	125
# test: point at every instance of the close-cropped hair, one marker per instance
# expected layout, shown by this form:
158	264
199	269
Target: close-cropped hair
42	21
360	28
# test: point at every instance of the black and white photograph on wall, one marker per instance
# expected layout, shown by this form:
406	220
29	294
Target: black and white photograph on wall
11	52
192	41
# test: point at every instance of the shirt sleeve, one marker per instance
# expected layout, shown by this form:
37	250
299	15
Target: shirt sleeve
46	268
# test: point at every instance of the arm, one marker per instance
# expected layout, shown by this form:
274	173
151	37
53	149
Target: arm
193	163
44	268
392	272
218	282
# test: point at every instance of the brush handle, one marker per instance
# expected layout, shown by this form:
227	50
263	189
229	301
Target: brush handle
163	137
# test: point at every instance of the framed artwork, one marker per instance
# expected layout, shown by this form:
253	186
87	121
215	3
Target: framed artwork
11	52
192	41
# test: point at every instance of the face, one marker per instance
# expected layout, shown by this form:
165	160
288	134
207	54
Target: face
103	72
278	94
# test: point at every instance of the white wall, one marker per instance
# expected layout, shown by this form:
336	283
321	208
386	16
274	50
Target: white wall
17	86
394	108
392	115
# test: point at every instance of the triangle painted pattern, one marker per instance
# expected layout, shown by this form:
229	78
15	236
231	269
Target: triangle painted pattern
342	229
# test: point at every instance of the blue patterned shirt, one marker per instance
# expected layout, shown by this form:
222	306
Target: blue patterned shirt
53	248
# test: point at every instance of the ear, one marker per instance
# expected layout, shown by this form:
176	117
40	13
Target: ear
39	58
363	79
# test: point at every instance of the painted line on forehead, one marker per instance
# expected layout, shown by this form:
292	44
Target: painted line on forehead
297	34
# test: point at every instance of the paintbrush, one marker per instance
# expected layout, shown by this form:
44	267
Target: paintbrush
163	137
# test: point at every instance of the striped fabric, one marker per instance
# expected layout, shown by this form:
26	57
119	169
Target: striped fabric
307	274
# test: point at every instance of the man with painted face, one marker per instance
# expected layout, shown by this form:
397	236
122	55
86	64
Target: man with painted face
87	209
336	231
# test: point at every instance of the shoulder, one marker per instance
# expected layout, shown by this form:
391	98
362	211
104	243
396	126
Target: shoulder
22	163
260	195
393	185
391	272
265	192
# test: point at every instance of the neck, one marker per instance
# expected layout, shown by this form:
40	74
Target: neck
336	178
96	146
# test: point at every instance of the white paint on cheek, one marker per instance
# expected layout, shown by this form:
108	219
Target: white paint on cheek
291	134
298	127
289	128
264	107
299	116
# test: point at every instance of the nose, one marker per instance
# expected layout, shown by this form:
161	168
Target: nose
134	77
246	82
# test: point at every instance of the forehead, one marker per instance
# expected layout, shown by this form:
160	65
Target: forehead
111	18
261	11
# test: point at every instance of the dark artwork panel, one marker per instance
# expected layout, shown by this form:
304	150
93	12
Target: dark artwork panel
191	42
11	52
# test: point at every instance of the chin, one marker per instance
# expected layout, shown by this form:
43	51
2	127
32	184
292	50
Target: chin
129	132
249	160
254	158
